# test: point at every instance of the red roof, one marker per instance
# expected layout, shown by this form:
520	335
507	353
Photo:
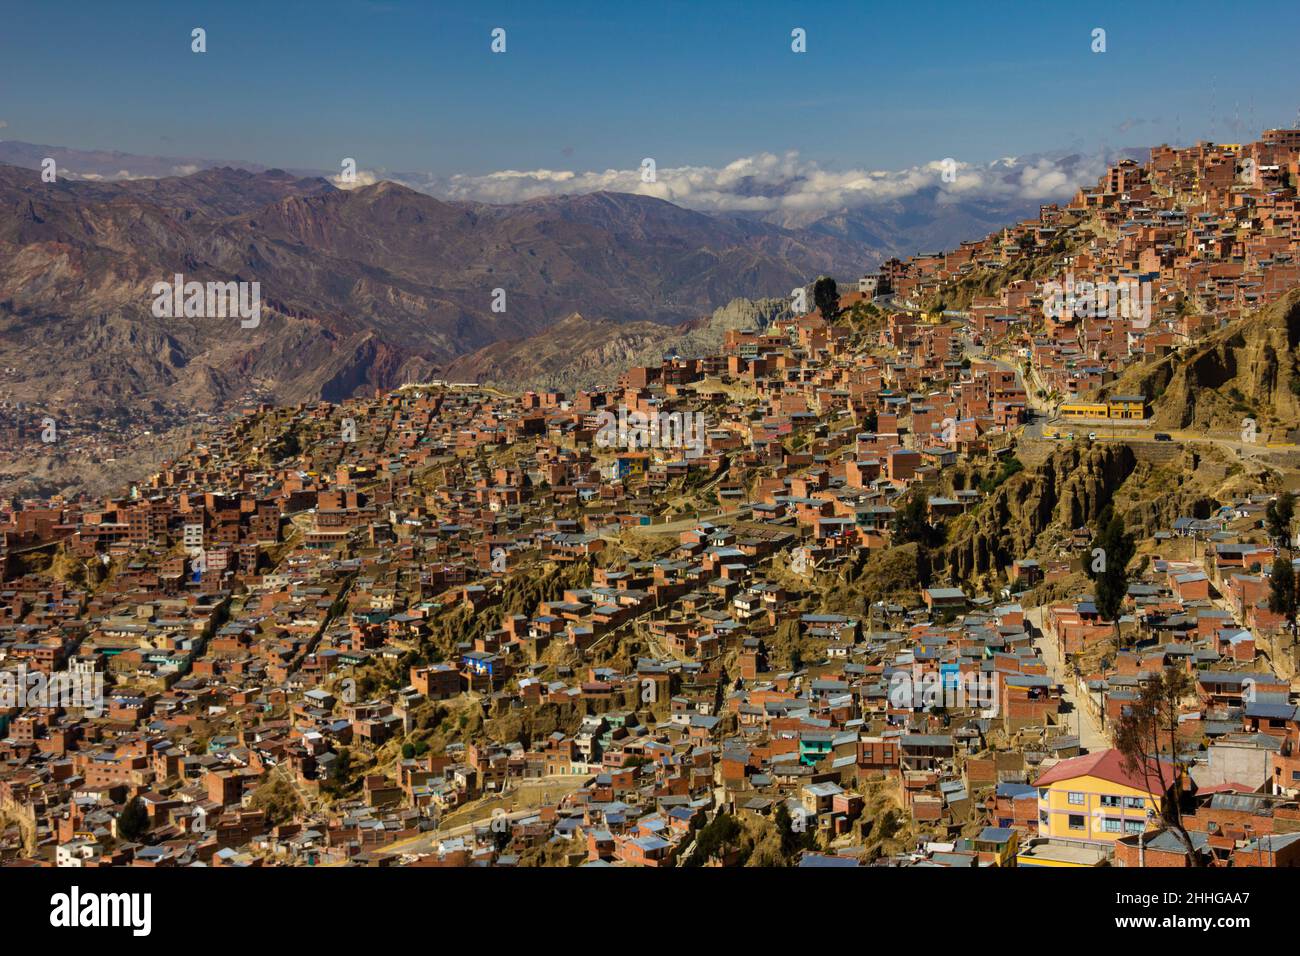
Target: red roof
1227	788
1104	765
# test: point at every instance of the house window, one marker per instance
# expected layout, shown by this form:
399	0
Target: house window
1110	825
1076	797
1135	803
1076	821
1134	826
1109	801
1042	819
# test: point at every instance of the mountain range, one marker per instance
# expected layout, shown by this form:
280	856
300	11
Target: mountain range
372	286
362	288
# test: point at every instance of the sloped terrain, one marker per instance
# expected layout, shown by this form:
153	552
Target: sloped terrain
359	289
1248	369
580	353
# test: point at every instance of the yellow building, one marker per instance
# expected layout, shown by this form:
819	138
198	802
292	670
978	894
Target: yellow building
1118	408
1045	851
1129	407
1095	798
998	845
1084	411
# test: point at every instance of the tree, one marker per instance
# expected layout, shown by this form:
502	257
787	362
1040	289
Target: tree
501	838
721	834
1282	597
1146	731
910	522
793	841
826	297
1112	550
1277	519
338	776
133	821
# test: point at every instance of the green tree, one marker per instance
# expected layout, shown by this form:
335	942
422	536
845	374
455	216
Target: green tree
133	821
1112	550
1148	730
501	836
1282	598
792	841
826	297
1277	519
721	834
910	522
339	773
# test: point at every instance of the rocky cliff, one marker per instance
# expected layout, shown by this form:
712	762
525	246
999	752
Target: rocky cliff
1248	369
1023	514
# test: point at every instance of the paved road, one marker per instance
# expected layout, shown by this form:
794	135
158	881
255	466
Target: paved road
1039	410
427	842
1106	430
1080	720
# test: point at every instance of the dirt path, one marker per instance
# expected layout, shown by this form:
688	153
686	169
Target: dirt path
1080	720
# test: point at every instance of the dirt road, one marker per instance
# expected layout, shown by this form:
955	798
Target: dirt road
1080	720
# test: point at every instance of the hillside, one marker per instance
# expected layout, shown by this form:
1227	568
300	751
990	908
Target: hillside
582	353
359	289
1248	369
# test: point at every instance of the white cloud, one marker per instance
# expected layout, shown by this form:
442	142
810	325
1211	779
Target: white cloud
362	177
117	177
783	186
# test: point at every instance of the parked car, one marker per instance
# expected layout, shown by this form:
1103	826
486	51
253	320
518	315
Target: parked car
1162	436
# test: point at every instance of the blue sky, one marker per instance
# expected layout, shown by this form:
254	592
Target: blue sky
413	86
